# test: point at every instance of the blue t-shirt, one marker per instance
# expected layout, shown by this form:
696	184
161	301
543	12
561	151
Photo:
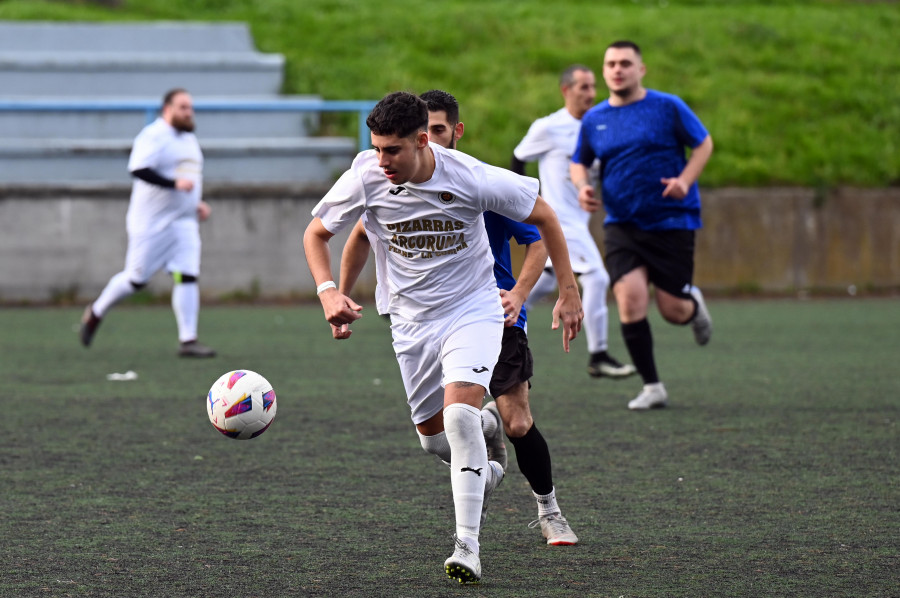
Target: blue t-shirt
500	230
638	144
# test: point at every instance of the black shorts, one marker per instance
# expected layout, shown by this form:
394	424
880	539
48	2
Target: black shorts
668	256
515	364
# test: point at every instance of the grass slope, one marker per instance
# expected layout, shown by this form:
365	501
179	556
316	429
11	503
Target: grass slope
792	93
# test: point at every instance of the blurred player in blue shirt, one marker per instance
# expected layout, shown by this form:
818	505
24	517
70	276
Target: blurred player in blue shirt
649	191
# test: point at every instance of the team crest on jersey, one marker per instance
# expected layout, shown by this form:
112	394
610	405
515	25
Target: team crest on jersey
446	197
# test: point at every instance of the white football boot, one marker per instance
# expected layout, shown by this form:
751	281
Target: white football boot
652	397
463	565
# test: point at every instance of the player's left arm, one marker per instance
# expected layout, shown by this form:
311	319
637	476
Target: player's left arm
532	267
568	306
677	187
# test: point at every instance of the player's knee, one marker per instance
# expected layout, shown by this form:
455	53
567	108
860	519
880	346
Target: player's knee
181	278
517	419
518	425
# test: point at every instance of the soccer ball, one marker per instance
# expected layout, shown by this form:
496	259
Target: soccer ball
241	404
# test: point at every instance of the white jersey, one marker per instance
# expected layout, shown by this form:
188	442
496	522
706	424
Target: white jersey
431	247
550	141
172	154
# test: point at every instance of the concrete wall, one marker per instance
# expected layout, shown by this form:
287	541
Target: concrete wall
68	242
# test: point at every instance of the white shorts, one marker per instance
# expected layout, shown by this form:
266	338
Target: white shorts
460	347
583	251
175	248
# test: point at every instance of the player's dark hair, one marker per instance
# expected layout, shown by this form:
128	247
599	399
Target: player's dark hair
170	95
623	44
400	113
568	76
438	100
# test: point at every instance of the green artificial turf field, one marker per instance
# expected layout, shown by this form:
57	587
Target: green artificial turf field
774	472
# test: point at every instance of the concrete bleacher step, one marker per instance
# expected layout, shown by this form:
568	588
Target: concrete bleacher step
186	37
138	74
73	96
114	118
133	59
311	161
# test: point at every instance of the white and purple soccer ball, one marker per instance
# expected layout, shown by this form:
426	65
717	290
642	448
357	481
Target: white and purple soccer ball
241	404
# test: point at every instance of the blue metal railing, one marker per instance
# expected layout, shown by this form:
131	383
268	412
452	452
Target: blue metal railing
151	108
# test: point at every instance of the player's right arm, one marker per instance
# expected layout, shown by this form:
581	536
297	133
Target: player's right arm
586	197
339	309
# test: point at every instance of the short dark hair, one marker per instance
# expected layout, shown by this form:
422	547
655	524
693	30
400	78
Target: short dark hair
568	75
438	99
170	95
400	113
624	43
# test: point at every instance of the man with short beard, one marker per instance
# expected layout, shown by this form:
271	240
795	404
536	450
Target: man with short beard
163	221
649	190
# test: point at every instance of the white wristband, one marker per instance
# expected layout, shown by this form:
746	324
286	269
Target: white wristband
328	284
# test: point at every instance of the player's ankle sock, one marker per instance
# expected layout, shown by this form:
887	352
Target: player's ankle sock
546	503
639	341
469	468
472	543
436	445
533	457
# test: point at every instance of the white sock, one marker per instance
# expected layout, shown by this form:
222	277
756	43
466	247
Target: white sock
437	445
489	423
186	305
469	469
116	289
594	286
546	503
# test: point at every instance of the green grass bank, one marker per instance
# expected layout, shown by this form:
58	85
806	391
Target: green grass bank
794	93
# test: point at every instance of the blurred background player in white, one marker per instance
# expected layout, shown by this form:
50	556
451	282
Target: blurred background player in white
422	206
162	221
510	410
550	141
649	190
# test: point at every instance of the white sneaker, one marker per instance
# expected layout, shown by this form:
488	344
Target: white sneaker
702	322
463	565
496	449
489	488
653	396
556	529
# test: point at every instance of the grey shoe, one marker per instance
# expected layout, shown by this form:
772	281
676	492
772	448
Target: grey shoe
496	449
556	529
195	349
463	565
653	396
702	322
489	488
89	325
604	364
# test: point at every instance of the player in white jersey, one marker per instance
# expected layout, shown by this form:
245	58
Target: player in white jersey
162	221
423	206
550	141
